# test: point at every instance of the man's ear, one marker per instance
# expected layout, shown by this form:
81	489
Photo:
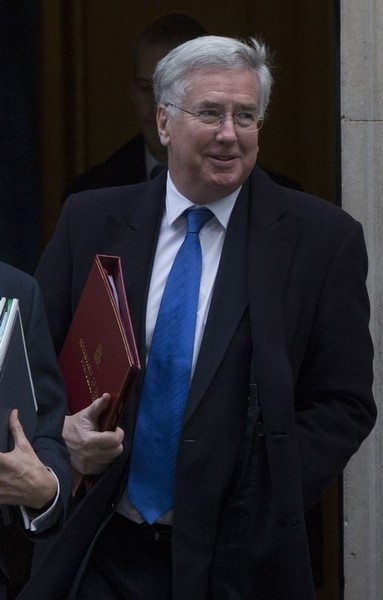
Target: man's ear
163	125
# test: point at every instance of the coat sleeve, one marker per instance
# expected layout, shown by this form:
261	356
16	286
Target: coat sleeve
49	389
54	275
335	409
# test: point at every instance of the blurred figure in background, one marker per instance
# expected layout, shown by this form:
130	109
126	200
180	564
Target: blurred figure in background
135	161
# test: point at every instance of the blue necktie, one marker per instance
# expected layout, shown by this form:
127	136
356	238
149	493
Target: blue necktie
167	380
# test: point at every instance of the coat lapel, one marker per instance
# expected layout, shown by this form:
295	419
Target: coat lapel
228	302
255	263
132	237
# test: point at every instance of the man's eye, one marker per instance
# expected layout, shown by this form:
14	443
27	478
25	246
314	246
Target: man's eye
245	116
208	114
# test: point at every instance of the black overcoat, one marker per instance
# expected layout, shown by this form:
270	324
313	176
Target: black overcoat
281	395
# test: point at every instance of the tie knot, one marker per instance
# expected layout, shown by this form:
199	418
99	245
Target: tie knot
197	218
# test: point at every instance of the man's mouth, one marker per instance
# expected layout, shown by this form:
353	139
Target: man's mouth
223	159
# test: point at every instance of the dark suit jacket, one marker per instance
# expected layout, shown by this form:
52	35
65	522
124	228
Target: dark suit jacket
123	167
281	395
48	443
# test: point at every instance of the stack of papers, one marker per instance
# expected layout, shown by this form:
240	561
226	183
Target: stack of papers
16	385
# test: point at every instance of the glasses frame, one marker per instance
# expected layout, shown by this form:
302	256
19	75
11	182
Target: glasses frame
221	118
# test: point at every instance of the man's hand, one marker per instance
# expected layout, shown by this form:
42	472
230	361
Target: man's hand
24	480
91	451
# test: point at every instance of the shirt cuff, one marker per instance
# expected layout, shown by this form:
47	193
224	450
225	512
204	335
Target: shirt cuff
47	518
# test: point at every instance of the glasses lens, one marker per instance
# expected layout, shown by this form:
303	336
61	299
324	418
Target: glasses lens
260	122
246	120
209	117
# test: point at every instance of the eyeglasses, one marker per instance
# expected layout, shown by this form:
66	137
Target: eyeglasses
246	120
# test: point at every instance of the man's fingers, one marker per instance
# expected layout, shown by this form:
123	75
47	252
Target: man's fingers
110	439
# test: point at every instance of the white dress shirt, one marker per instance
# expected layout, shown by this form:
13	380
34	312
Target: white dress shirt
171	236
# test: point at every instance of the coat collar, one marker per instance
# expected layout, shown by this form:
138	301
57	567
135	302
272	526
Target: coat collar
259	248
131	234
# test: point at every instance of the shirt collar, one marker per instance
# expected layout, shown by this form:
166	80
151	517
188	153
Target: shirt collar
176	204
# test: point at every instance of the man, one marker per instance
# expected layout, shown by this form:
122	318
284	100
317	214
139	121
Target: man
253	403
135	160
35	477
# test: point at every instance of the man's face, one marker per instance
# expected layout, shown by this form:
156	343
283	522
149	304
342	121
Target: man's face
142	96
209	163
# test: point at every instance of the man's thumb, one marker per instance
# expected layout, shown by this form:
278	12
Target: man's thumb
15	427
98	406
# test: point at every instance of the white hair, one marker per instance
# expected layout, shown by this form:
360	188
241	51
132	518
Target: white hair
208	53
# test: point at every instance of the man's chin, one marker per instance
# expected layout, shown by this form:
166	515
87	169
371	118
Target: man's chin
227	181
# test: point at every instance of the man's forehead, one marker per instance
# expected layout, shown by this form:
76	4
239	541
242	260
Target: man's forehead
216	85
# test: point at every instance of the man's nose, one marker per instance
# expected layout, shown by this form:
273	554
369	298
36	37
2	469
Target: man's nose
226	128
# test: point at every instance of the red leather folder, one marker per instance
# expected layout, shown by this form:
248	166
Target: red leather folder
99	353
